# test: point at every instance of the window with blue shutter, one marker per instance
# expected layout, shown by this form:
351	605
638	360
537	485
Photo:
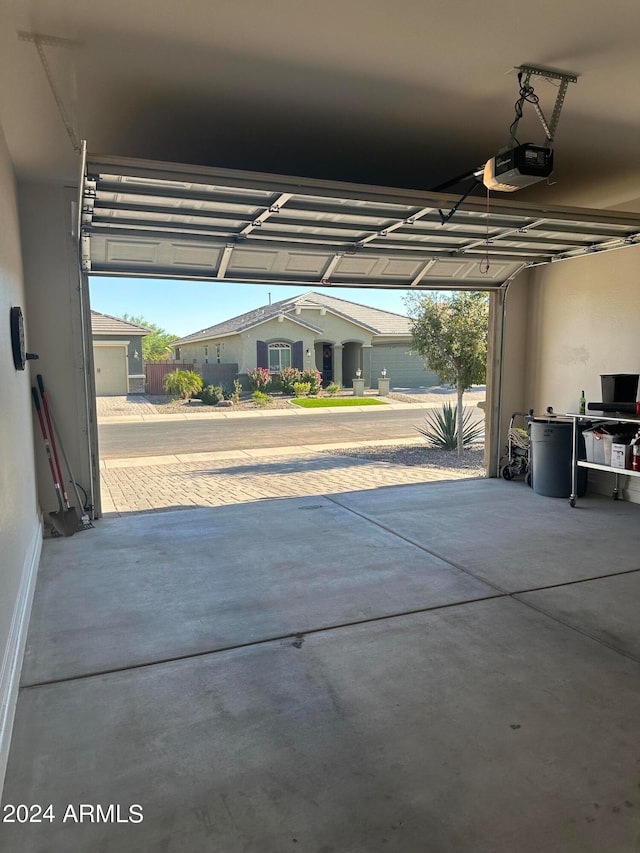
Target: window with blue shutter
298	355
262	355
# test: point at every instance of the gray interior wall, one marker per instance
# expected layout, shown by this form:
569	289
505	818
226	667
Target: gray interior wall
20	532
53	301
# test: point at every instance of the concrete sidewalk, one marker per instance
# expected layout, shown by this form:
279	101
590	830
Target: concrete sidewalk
134	409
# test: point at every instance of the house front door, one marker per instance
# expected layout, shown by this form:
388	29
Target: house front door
327	364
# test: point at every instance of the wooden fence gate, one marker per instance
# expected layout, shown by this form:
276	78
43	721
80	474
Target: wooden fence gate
155	371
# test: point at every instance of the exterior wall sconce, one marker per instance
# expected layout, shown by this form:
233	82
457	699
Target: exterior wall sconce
308	353
136	354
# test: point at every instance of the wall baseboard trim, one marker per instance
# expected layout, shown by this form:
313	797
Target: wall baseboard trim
14	653
602	482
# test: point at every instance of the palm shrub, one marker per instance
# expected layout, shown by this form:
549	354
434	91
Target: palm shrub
182	383
301	389
441	427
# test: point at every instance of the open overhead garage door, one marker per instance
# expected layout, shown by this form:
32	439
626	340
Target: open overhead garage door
165	220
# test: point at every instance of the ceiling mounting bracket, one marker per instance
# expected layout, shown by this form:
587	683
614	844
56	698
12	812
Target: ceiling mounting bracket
41	40
564	78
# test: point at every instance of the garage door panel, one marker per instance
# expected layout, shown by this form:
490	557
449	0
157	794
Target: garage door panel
110	364
169	220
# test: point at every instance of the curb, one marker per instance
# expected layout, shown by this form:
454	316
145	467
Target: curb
225	414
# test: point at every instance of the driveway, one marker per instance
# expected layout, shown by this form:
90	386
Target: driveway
152	462
185	481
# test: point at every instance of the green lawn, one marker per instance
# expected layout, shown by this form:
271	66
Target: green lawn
325	402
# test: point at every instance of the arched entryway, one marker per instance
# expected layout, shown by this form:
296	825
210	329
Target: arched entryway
351	361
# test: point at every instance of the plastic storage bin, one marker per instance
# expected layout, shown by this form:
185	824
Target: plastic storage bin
597	442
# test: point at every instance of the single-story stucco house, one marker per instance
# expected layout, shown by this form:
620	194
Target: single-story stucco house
335	336
117	355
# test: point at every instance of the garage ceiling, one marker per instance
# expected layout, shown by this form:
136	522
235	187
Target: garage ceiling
166	220
403	93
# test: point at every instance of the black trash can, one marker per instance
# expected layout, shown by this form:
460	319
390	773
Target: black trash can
551	442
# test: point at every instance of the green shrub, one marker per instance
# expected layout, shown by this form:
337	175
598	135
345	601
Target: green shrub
276	384
261	398
211	394
441	428
260	378
301	389
288	377
333	388
313	377
182	383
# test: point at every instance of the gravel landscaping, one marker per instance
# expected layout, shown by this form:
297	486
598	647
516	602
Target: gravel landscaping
472	461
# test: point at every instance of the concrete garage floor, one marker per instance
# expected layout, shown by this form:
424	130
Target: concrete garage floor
421	669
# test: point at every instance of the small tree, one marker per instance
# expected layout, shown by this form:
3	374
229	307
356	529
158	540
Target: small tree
156	346
450	333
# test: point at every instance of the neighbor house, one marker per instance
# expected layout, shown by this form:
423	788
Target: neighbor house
117	355
335	336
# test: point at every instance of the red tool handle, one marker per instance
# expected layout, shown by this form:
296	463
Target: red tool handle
54	476
52	437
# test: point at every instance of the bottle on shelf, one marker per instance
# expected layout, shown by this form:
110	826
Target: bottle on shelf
635	452
583	404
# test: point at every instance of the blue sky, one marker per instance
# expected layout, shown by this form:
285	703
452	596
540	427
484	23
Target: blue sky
182	307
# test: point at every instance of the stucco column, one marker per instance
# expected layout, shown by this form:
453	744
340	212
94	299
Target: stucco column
337	364
366	364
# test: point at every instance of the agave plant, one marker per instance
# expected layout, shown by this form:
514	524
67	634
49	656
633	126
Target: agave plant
441	428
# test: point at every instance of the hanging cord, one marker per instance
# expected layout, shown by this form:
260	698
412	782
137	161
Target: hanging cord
485	263
526	94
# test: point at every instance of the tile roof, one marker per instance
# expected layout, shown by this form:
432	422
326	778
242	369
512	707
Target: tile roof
105	324
377	321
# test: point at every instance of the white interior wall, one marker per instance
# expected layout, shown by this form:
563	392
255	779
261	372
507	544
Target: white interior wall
20	530
582	322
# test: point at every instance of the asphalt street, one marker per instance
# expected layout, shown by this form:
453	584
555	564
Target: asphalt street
118	440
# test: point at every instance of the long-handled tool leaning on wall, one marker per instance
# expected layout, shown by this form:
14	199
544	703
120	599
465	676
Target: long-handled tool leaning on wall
56	439
65	519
